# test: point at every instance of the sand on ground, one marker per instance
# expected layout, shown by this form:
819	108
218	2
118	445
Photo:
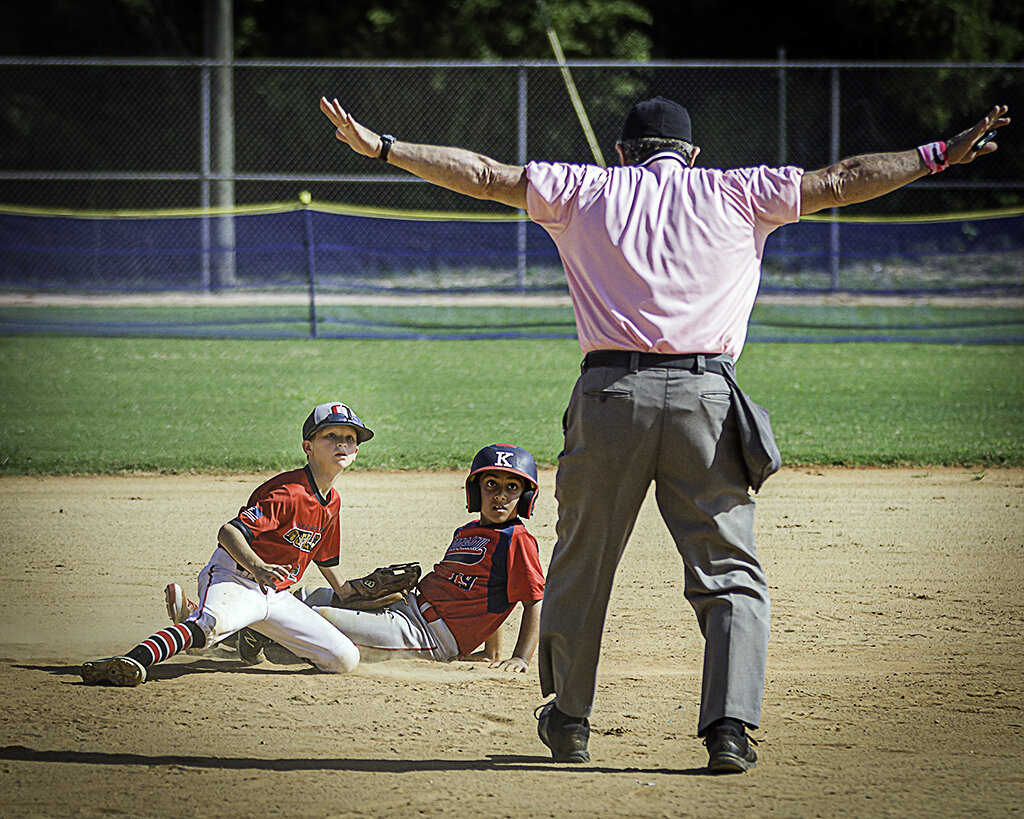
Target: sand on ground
895	673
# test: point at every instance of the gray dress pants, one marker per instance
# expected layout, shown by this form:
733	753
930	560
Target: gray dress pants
624	429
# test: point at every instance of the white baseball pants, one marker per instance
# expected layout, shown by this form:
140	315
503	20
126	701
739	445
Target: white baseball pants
396	631
229	601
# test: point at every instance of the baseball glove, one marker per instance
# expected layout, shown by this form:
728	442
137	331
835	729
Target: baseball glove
381	587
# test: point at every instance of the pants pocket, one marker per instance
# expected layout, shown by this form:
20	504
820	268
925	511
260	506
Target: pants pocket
609	392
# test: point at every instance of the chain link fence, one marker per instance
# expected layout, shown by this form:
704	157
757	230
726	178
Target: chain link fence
148	134
154	175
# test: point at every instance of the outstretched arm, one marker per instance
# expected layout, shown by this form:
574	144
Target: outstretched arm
861	178
456	169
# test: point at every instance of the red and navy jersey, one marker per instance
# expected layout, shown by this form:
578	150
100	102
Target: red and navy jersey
486	570
288	522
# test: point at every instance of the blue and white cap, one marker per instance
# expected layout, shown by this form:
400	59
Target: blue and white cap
335	412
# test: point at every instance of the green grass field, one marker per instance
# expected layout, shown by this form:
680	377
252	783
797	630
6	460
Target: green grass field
769	322
91	405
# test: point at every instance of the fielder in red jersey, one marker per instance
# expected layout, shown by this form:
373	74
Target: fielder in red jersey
289	522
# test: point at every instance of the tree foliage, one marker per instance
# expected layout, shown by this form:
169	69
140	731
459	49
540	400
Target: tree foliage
899	30
933	30
447	30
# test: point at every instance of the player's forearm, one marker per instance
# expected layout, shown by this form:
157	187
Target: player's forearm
462	171
341	586
529	632
345	593
494	645
235	544
859	179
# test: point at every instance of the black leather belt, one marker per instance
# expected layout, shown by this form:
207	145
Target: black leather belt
695	362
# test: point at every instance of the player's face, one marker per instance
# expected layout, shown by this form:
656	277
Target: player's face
334	447
499	495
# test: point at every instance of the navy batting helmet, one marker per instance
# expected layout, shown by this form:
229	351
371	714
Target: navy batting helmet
503	458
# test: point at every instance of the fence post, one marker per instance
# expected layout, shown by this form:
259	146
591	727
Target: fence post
834	157
783	147
307	216
521	158
204	176
783	113
220	47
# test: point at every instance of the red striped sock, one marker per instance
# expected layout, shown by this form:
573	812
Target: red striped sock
165	643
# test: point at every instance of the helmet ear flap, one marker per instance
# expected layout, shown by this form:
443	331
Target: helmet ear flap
473	498
526	502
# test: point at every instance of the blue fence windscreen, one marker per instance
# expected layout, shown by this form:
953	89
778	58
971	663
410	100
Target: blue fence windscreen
312	253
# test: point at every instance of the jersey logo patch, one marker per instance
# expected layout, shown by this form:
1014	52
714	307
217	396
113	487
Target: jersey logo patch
467	550
302	539
253	513
463	581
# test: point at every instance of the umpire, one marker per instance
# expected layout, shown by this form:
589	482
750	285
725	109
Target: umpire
663	265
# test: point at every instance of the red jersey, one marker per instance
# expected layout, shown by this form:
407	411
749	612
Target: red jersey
288	522
485	572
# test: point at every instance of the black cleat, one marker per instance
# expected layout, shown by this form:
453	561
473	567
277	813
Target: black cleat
250	646
566	736
120	671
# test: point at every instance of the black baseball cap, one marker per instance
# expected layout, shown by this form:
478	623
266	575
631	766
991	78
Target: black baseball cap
334	413
657	117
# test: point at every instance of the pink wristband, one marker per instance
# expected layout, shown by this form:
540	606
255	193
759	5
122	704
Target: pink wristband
934	156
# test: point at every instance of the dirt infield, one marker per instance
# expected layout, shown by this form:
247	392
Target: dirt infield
895	673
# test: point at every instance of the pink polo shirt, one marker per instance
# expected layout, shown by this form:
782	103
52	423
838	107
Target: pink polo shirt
662	258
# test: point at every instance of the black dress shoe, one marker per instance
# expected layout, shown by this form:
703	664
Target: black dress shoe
729	751
566	736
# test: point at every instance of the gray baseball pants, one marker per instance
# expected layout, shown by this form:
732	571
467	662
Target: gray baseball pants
623	430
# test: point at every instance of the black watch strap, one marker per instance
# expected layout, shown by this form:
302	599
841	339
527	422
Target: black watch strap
386	141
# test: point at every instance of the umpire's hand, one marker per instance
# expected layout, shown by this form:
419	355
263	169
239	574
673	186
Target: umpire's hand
359	138
960	149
